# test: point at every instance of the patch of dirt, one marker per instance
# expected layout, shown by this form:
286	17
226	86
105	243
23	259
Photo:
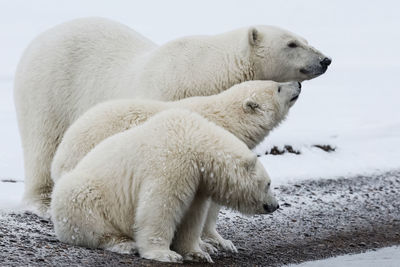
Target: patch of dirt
317	219
326	148
8	181
289	149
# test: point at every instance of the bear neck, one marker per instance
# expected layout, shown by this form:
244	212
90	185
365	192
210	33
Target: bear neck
210	65
234	57
226	111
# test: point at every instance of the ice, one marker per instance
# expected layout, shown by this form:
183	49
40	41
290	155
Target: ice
388	257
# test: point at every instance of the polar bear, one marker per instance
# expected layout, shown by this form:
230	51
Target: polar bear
249	110
121	197
75	65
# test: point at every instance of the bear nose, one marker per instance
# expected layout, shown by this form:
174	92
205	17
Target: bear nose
326	62
270	208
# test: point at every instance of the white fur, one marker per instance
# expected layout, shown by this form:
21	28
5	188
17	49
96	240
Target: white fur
121	196
249	110
78	64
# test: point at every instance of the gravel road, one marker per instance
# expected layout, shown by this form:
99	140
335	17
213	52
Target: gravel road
317	219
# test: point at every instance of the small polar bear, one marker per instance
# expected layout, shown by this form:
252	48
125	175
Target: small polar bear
78	64
249	110
137	188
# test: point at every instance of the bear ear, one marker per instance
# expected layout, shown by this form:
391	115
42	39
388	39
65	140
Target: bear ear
250	163
249	105
254	36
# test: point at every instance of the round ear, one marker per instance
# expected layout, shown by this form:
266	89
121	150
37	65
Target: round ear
250	163
254	36
249	105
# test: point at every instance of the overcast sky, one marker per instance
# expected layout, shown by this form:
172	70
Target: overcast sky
353	33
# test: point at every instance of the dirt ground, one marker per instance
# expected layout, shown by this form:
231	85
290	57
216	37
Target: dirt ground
317	219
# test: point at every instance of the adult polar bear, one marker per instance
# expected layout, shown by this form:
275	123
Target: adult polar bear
78	64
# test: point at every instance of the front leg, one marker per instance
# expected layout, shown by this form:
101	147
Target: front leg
187	240
156	220
118	244
210	234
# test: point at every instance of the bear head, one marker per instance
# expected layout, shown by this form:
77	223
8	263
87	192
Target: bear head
260	200
279	55
264	104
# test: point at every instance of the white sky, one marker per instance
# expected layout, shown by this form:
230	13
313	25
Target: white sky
351	32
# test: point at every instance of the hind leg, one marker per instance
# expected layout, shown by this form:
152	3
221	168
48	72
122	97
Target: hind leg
39	146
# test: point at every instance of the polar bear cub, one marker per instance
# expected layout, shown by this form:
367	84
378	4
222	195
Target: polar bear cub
249	110
136	188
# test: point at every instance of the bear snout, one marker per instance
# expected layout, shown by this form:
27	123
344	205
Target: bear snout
270	208
326	62
298	89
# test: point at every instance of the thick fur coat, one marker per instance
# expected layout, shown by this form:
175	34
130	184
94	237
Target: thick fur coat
122	198
249	110
75	65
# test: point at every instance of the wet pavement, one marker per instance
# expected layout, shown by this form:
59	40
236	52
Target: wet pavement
317	219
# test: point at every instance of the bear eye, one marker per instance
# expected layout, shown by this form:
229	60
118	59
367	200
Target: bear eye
267	187
292	45
279	89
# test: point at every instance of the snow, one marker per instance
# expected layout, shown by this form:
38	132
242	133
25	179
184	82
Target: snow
358	116
10	195
353	107
11	162
388	257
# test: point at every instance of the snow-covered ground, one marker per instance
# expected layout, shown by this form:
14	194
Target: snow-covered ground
353	107
386	257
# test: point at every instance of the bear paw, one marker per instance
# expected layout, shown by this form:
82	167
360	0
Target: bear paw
220	242
39	207
128	247
162	255
199	256
206	247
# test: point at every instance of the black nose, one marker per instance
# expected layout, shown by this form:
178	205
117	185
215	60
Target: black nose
326	62
269	208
